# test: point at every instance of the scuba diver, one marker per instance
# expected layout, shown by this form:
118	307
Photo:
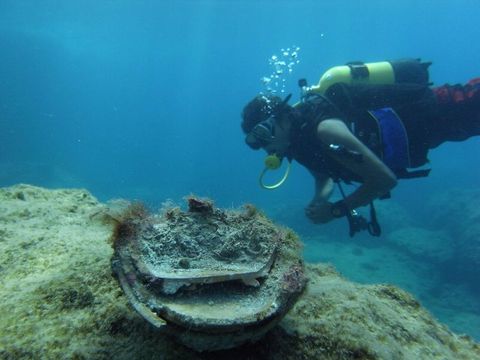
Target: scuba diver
370	124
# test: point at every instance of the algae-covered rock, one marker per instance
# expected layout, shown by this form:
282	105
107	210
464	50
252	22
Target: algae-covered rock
59	300
338	319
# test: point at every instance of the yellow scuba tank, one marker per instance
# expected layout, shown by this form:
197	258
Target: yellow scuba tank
356	73
407	71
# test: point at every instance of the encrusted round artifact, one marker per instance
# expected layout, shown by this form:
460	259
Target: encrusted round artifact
212	278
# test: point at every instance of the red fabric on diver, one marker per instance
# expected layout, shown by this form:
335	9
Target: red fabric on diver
456	94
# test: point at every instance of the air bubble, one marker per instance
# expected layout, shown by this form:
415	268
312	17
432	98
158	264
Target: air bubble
282	66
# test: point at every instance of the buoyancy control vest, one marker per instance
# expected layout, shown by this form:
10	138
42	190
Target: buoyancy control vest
384	104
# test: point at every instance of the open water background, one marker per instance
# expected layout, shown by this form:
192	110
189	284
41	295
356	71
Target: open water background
142	100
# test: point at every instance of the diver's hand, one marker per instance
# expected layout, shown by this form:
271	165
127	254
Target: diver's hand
319	212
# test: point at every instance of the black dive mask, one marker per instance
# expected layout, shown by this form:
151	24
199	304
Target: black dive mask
262	134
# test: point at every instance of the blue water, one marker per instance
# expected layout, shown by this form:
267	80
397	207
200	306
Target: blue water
142	100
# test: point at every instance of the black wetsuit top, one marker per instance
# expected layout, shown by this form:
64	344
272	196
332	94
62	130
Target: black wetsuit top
415	106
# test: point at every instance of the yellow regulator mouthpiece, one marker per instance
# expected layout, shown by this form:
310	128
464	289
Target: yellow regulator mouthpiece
273	162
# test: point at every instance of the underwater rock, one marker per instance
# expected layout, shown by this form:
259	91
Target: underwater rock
338	319
457	213
59	300
434	245
212	278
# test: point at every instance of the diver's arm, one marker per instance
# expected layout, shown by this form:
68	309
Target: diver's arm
323	187
319	209
377	178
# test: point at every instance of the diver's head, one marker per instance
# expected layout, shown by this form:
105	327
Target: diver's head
266	123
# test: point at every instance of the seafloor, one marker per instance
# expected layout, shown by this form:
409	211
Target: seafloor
58	299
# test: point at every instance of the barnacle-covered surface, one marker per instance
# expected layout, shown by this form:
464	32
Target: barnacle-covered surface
222	274
199	246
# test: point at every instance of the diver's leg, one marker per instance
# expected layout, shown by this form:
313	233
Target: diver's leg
458	116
